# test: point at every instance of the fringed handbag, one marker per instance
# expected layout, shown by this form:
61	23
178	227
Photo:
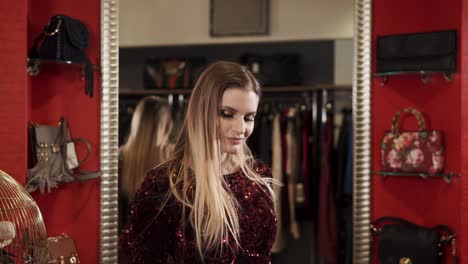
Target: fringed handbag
54	157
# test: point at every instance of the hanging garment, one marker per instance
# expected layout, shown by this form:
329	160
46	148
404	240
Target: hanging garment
327	222
277	173
264	140
343	199
291	173
285	212
348	192
299	186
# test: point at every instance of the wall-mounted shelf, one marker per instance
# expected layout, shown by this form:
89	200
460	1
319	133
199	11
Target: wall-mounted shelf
281	89
447	176
34	65
448	76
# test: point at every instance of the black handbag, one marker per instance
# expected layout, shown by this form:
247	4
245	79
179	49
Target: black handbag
65	39
426	51
400	241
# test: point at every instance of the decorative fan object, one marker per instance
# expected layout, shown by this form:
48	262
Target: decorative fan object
23	237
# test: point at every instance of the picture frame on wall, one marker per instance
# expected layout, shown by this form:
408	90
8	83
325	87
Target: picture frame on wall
239	18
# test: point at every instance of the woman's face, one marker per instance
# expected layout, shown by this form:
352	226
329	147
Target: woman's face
238	109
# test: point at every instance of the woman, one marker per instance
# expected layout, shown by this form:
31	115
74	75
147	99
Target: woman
210	202
147	146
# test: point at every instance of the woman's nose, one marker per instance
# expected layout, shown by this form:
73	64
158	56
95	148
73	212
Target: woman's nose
239	126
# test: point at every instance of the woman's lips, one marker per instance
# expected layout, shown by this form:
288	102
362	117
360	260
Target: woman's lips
235	141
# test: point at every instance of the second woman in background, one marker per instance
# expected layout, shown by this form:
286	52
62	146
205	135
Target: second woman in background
147	146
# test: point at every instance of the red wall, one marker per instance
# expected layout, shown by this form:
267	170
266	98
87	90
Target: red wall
13	88
433	201
59	91
464	128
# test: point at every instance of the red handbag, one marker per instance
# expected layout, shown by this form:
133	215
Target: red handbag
419	151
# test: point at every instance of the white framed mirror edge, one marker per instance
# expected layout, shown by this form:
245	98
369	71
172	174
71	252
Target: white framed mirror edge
362	131
109	131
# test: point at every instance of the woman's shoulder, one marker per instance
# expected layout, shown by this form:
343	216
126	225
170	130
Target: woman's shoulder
156	183
261	168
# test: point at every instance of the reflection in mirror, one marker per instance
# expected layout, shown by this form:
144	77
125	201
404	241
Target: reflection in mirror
302	130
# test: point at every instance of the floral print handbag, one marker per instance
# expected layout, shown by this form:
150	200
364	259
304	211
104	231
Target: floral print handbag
419	151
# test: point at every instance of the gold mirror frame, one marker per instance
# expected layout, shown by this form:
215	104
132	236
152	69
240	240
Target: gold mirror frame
362	131
109	131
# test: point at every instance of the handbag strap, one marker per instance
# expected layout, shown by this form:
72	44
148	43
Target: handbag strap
49	30
393	220
449	236
82	175
416	113
33	52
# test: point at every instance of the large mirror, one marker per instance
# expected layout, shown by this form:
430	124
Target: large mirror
315	81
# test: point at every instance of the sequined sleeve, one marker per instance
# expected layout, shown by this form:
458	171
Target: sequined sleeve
259	230
149	235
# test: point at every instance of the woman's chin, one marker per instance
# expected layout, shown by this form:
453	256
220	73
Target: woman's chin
232	149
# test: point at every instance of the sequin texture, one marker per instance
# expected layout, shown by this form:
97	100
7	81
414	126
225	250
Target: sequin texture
157	236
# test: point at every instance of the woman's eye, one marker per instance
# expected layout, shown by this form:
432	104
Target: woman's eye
250	118
226	114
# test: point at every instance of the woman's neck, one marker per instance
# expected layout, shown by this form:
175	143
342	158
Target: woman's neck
229	164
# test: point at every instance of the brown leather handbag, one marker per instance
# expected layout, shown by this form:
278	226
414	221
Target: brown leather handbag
62	250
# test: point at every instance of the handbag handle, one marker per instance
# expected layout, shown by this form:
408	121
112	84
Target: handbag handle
88	148
416	113
55	28
82	175
392	219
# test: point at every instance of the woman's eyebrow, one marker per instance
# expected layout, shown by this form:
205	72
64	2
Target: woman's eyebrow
230	109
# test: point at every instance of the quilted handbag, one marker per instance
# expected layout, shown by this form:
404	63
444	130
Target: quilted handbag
419	151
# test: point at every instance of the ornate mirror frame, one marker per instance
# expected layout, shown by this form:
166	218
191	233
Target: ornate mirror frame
109	131
362	131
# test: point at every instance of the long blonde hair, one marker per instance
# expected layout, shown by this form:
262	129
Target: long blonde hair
196	160
147	144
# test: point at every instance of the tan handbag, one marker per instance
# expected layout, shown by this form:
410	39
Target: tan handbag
62	250
54	157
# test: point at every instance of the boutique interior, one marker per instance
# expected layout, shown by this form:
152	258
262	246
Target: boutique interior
361	113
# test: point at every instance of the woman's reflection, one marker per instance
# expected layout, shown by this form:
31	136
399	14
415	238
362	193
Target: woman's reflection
147	146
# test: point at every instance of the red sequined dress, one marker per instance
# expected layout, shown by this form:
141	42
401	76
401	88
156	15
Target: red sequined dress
152	238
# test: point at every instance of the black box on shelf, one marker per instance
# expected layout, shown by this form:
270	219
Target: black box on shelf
275	69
